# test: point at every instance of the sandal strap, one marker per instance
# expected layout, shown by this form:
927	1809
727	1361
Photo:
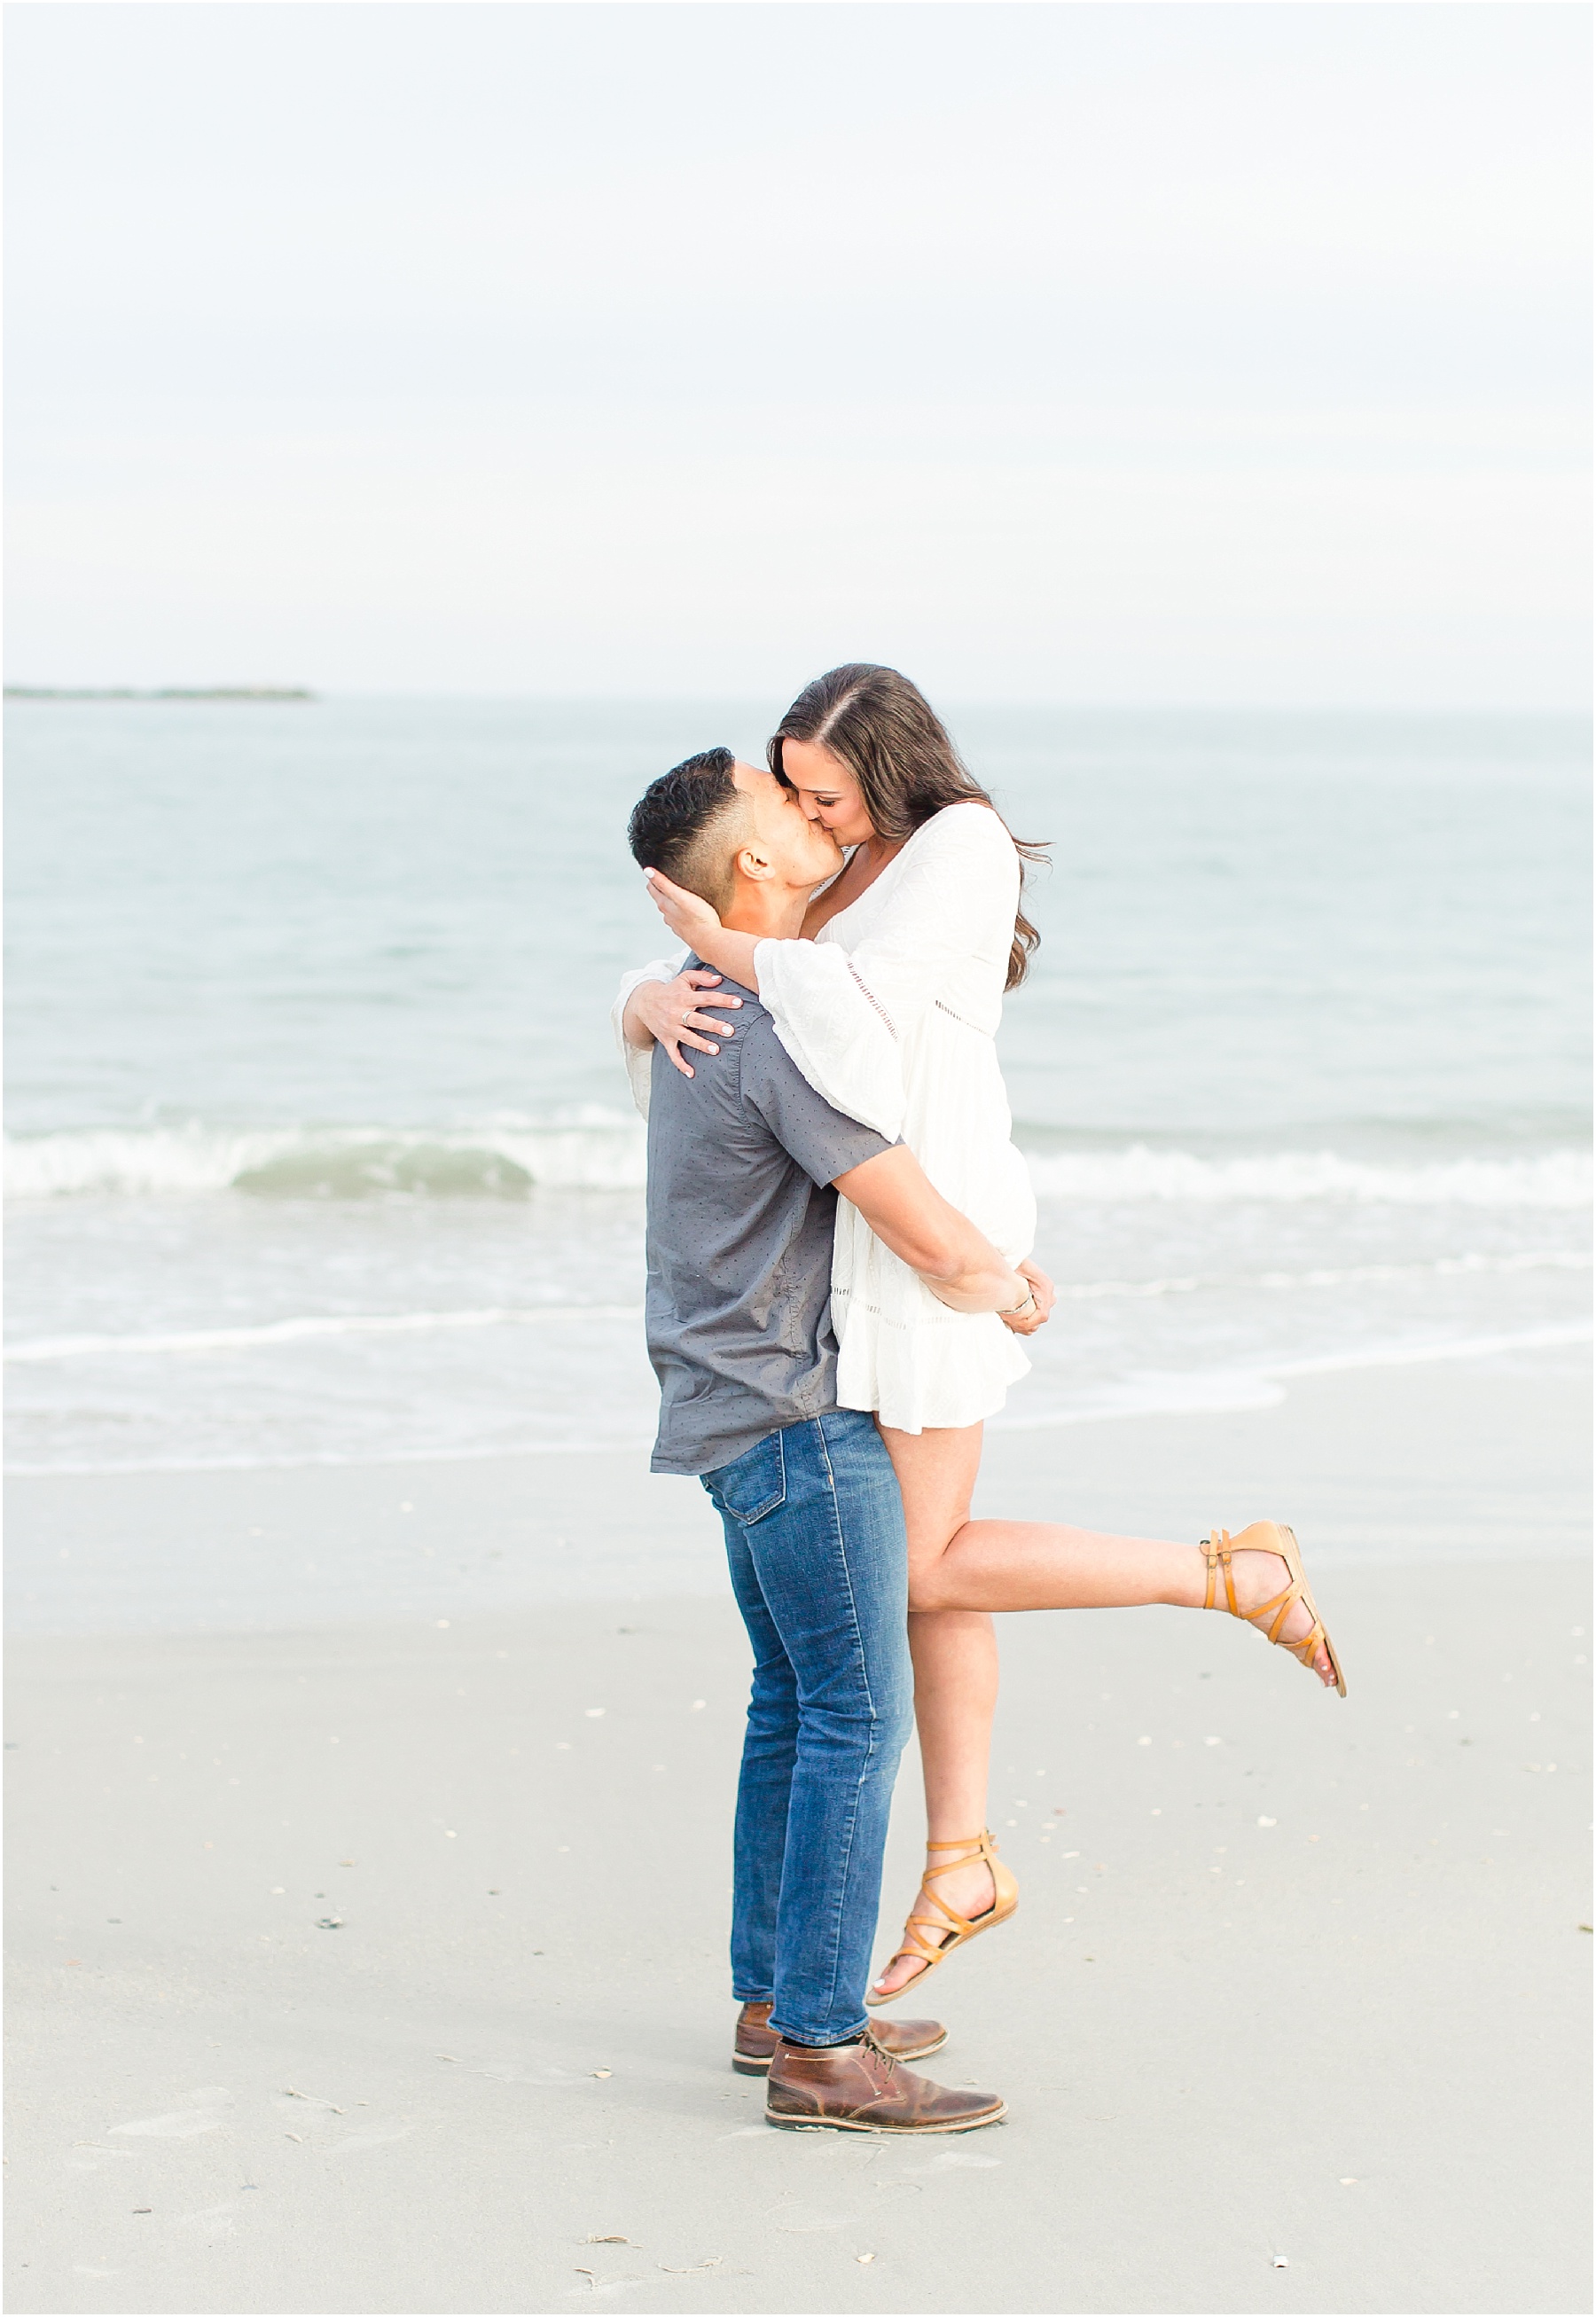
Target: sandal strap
1215	1551
914	1943
1308	1649
970	1847
1282	1603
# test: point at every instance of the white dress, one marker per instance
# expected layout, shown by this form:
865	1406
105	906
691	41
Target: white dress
890	1013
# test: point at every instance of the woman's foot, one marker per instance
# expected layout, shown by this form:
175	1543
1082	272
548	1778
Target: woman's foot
938	1927
1261	1575
970	1890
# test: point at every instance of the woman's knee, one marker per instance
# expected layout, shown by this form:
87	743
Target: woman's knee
930	1587
931	1529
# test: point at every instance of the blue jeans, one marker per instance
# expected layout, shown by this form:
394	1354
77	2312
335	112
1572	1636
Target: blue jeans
814	1536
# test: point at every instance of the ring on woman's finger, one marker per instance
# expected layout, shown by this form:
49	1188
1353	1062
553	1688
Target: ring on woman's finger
686	1017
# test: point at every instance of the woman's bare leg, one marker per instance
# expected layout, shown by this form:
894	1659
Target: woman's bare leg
955	1675
955	1653
961	1569
1002	1564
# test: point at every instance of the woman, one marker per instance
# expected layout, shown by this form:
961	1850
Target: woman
889	1005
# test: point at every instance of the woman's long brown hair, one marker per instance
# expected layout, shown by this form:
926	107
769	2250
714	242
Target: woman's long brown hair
886	732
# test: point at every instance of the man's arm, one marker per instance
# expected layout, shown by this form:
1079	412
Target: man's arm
961	1267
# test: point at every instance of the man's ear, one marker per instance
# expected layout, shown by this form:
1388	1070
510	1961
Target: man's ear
754	865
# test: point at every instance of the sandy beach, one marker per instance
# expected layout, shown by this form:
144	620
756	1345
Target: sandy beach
419	446
378	1964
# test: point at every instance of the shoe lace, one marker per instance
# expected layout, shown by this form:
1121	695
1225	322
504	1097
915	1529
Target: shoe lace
886	2057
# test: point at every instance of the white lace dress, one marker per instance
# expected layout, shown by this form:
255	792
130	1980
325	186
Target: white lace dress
890	1013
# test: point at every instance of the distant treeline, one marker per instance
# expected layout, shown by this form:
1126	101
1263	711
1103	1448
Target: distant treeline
166	692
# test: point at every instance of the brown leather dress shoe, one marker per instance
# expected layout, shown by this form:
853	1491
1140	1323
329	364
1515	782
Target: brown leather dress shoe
900	2039
860	2087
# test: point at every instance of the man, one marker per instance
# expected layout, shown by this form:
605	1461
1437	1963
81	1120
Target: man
745	1164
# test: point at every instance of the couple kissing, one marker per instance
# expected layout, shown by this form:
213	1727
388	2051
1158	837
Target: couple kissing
840	1285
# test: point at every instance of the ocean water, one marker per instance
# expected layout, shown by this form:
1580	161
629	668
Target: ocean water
318	1148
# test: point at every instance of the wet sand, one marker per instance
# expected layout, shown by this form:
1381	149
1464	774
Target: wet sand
379	1966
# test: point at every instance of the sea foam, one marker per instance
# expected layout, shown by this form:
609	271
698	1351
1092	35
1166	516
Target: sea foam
1553	1179
605	1151
329	1162
319	1327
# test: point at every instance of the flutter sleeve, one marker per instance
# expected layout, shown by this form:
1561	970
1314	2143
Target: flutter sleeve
843	1013
639	1059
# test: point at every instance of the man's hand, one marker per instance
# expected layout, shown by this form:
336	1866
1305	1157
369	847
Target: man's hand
1039	1310
666	1013
958	1262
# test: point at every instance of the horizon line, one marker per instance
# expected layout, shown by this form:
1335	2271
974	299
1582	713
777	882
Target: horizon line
300	694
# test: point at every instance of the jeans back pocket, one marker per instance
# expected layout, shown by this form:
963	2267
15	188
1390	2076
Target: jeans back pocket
754	1485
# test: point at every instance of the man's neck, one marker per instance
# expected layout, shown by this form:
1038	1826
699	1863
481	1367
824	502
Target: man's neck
769	913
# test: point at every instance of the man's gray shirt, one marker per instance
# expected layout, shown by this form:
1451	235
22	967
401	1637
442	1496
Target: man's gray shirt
741	1216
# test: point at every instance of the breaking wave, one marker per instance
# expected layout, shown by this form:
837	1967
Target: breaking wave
600	1150
1554	1179
602	1153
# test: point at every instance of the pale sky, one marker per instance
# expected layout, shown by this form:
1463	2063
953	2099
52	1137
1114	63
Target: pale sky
1116	354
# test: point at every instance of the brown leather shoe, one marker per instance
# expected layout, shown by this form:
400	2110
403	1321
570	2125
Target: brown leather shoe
860	2087
900	2039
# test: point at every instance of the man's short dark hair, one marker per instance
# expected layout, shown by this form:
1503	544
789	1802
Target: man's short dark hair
677	825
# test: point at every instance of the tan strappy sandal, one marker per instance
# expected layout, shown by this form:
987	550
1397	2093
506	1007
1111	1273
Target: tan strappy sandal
1270	1536
953	1930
